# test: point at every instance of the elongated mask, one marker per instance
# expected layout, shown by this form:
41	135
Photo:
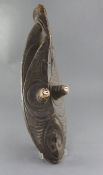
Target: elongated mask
42	92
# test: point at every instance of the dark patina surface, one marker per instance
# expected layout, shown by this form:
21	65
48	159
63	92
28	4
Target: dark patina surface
45	119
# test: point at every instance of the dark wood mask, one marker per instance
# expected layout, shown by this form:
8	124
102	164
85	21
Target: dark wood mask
42	91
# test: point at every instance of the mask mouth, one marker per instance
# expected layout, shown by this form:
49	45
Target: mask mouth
38	11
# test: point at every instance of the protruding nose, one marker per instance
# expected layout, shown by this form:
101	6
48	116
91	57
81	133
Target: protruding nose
59	91
65	89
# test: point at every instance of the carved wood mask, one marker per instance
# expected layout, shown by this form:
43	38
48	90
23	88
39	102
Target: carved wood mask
42	91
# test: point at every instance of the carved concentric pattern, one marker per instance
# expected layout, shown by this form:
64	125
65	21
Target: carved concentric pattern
53	140
44	116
